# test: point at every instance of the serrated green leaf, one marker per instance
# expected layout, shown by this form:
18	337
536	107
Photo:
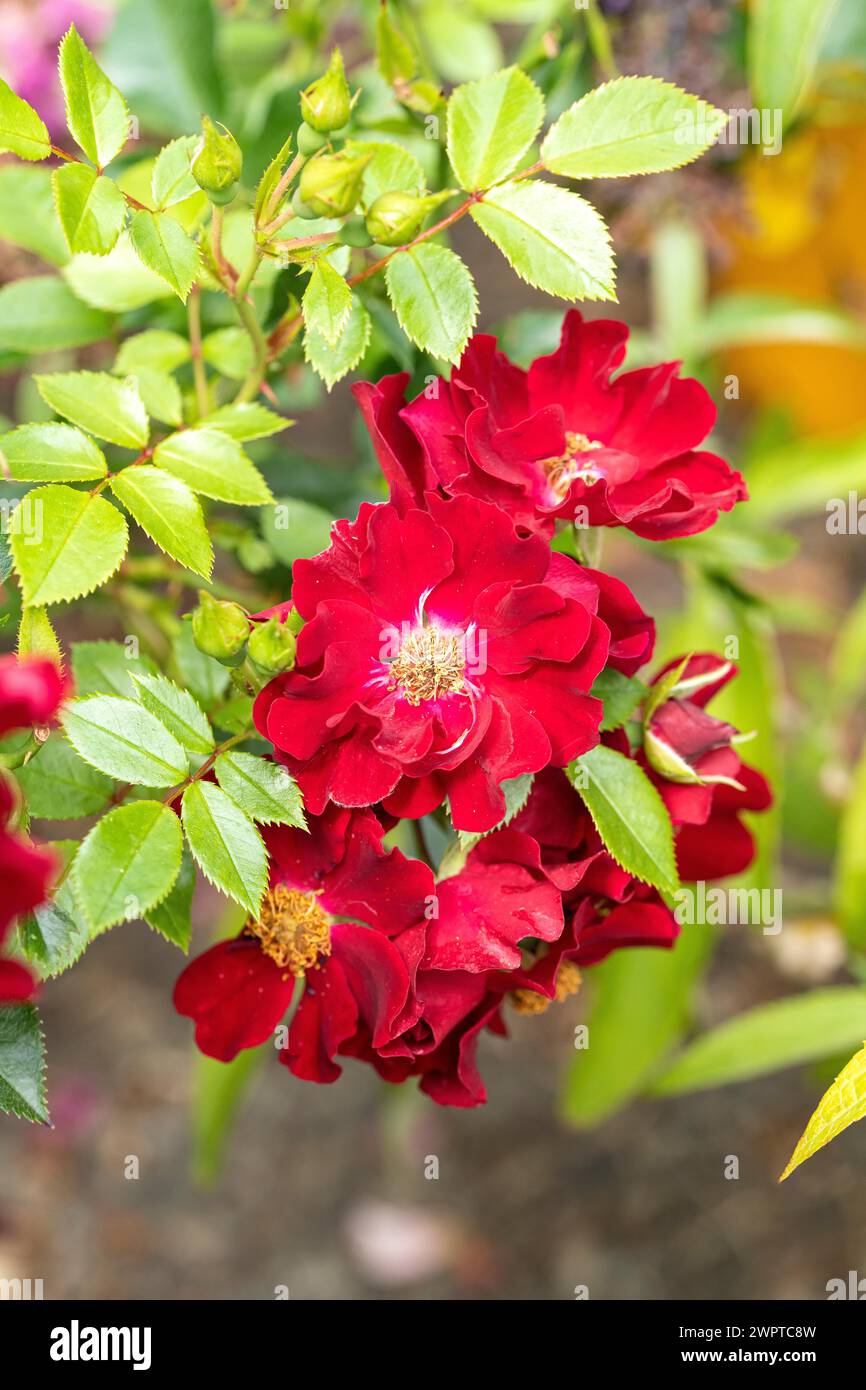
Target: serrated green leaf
211	462
96	113
296	529
782	48
92	209
128	863
22	131
491	124
52	938
843	1104
391	169
551	237
99	403
632	125
178	711
246	420
5	554
107	668
160	393
41	314
125	741
36	636
169	512
620	695
172	179
628	814
58	785
270	178
81	542
156	349
433	295
264	790
327	302
172	917
332	363
22	1064
165	248
766	1039
27	214
225	844
51	453
117	282
229	351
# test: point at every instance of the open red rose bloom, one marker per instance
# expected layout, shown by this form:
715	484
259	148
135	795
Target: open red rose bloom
449	673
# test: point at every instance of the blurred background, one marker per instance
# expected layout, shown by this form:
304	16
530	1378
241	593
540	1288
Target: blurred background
750	266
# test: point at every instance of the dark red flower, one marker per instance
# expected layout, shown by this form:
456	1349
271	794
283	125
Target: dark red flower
561	440
30	692
336	899
443	654
16	983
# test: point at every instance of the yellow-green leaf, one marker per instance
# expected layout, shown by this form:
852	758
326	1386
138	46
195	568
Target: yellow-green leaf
840	1106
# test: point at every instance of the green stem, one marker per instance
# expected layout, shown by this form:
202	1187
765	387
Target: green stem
598	33
198	368
250	388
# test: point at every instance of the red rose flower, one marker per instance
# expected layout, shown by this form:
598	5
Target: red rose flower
16	983
443	654
336	899
562	436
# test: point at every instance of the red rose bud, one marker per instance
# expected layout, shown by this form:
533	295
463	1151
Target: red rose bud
395	218
271	648
327	103
220	630
217	162
331	183
679	736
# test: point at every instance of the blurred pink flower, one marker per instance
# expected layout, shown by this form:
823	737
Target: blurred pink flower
30	31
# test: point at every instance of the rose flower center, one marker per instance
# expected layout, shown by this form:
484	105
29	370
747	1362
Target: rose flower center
561	471
292	928
430	663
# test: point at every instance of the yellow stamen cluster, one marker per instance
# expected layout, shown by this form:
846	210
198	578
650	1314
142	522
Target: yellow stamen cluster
529	1001
430	663
292	928
562	470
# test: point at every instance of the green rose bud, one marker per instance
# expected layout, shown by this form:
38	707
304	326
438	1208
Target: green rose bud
309	140
354	233
217	162
299	207
327	102
331	183
271	648
220	629
396	217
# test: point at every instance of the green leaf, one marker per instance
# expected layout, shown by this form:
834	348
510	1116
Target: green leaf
125	741
178	711
169	512
552	238
92	209
742	318
782	48
264	790
807	475
849	894
332	363
155	349
433	296
107	668
96	113
246	420
117	282
165	248
160	394
22	1064
229	351
36	636
172	917
51	453
628	814
633	125
620	695
267	184
211	462
164	57
41	314
82	542
225	844
641	1006
327	302
296	529
491	125
391	169
128	863
204	676
52	938
786	1033
22	131
841	1105
59	786
172	179
27	214
100	404
218	1089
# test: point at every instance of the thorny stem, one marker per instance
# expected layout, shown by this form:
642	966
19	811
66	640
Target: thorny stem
206	765
198	367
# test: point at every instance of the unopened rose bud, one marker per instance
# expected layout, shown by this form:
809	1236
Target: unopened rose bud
309	140
327	103
271	648
300	208
331	183
354	233
396	217
217	162
220	629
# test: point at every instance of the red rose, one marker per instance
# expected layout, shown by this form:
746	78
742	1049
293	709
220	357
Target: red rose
559	437
443	654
